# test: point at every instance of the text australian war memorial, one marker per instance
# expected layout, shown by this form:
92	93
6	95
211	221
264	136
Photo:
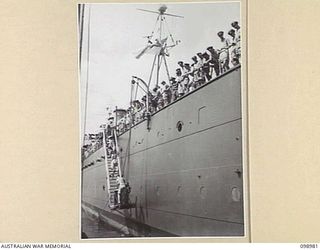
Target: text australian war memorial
170	163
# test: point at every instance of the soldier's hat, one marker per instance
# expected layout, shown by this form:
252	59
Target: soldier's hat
210	48
231	32
199	54
180	62
155	88
163	83
187	64
235	23
178	69
220	33
172	79
167	86
194	58
205	54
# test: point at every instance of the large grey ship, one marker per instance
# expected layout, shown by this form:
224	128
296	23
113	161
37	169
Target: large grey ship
181	164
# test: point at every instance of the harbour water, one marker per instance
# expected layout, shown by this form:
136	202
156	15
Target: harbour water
92	227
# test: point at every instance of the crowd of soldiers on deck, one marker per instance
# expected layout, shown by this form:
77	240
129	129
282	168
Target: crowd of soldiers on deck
189	76
92	143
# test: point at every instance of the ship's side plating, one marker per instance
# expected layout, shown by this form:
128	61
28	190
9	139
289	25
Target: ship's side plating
186	172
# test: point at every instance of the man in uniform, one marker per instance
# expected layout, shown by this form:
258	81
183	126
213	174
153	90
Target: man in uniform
179	79
114	164
166	95
195	71
154	99
233	49
214	60
224	52
174	88
206	67
180	63
121	184
200	68
189	76
236	26
160	95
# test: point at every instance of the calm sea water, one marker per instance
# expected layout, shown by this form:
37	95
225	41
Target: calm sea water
92	227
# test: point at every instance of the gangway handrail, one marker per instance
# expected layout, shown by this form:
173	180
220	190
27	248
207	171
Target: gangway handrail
117	149
106	161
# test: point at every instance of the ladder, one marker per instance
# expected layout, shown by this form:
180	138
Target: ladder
113	170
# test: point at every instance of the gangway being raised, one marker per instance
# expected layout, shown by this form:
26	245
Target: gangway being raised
118	189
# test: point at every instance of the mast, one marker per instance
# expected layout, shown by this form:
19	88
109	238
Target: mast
160	42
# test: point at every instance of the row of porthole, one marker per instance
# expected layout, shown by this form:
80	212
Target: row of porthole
235	192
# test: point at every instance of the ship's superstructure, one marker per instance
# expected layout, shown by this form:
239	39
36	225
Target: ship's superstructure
171	164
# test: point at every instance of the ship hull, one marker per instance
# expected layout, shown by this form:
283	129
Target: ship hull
185	172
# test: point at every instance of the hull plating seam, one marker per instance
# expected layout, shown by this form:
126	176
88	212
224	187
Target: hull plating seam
189	215
184	136
140	228
193	169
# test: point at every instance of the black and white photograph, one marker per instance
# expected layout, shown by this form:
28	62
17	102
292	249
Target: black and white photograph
161	120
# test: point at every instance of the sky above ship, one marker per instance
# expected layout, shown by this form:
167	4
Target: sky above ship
117	34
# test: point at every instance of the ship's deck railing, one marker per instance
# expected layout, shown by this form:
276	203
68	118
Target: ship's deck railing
88	152
179	99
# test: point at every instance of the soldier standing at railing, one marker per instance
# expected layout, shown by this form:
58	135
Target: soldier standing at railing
214	60
224	58
189	75
180	63
154	100
160	96
200	68
195	71
174	88
234	48
236	26
180	82
167	95
206	67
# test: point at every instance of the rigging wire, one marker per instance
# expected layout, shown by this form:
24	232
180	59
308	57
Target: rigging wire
155	26
127	153
172	39
87	80
81	18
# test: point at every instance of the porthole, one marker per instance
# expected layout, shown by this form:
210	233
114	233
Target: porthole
203	192
157	189
179	190
235	194
179	126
